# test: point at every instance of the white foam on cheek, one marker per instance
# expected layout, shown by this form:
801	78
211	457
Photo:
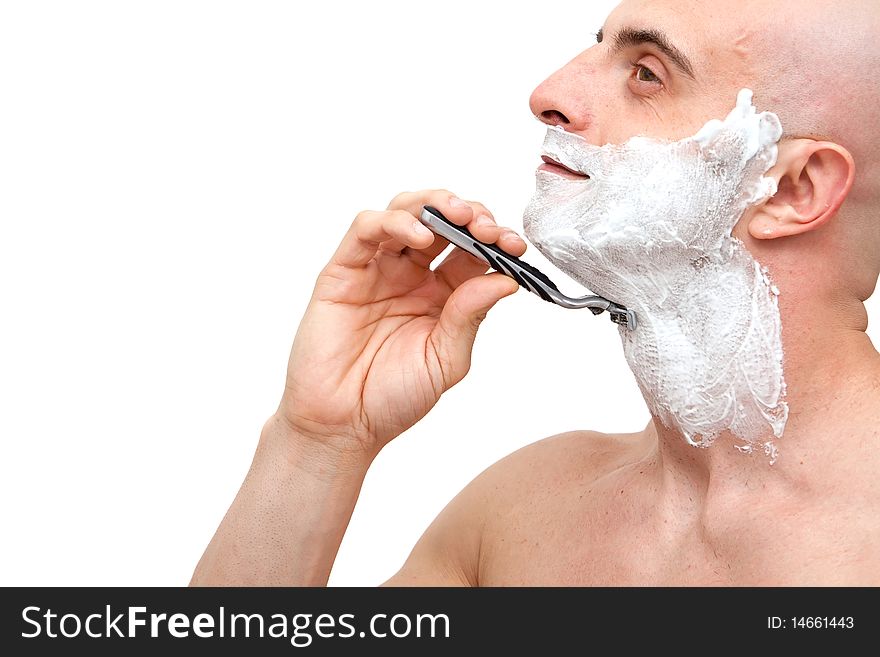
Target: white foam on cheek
651	229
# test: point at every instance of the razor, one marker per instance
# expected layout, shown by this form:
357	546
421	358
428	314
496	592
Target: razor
522	272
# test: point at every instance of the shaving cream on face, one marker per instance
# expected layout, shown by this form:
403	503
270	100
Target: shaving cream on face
650	229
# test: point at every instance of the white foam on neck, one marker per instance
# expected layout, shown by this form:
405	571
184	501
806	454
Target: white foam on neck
651	230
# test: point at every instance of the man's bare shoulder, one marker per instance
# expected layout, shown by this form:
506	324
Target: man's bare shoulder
570	457
449	551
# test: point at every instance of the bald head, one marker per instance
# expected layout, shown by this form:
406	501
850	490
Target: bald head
813	66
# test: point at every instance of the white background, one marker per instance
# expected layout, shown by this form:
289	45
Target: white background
173	175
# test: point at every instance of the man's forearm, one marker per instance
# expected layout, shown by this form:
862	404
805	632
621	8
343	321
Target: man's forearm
287	521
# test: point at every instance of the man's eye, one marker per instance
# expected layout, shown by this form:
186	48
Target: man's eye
644	74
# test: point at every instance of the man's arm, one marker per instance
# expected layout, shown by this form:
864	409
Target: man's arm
287	521
289	517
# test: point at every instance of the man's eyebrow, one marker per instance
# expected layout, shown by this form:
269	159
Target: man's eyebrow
628	37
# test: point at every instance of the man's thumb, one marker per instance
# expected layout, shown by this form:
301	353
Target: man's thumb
453	336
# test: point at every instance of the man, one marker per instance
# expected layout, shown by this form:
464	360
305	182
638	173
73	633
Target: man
384	336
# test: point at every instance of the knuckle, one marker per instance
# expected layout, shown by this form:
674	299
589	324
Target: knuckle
362	218
439	196
400	199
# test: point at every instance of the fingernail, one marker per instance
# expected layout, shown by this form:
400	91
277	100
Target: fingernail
485	220
456	202
420	228
513	236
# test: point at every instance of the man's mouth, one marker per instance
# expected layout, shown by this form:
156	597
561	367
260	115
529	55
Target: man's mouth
552	166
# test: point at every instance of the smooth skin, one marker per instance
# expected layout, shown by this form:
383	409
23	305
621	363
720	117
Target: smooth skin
384	336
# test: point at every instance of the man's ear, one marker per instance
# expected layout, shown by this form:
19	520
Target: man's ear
813	179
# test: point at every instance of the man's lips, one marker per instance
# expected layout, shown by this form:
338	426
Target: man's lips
552	166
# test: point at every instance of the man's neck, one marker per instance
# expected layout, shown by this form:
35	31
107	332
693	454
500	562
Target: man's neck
830	441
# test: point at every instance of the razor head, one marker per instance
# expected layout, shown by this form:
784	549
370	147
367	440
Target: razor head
624	317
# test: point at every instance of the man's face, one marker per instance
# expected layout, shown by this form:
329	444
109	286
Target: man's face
662	69
648	222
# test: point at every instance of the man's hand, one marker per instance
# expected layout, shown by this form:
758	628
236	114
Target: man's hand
382	338
384	335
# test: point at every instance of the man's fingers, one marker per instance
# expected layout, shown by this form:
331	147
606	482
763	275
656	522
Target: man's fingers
473	215
371	229
511	242
453	208
484	227
398	229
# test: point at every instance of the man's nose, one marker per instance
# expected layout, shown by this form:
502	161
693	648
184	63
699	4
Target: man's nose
563	98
